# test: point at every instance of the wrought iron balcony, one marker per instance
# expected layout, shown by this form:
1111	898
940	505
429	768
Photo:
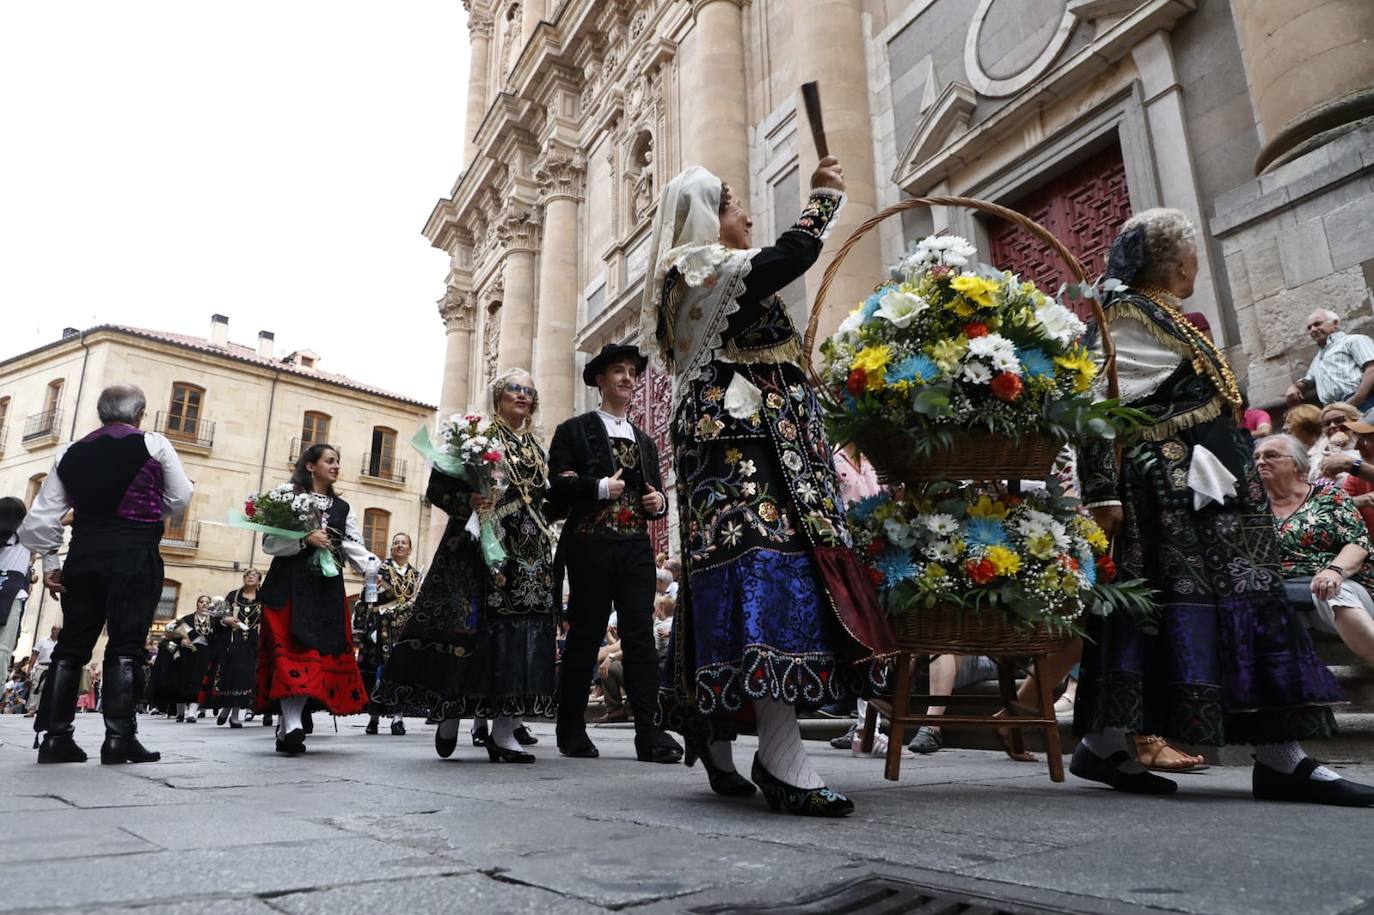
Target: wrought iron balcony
181	534
185	432
41	428
382	467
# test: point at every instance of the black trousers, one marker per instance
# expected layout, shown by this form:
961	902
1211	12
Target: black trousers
116	590
605	574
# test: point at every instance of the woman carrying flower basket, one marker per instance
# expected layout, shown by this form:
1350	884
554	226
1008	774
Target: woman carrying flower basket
305	653
479	640
775	611
1230	662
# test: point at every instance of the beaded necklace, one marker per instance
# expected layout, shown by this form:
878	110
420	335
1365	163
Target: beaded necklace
1207	360
521	455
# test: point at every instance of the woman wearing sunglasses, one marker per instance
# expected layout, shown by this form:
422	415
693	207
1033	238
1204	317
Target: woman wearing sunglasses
480	640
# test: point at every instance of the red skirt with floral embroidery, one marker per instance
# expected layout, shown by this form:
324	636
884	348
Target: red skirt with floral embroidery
286	668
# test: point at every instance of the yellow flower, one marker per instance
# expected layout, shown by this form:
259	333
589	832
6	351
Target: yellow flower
1080	363
733	455
961	307
1096	539
958	546
1041	546
1004	561
935	572
872	359
947	353
986	508
976	289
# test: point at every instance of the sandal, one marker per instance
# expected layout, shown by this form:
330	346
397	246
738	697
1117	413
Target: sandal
1003	736
1158	754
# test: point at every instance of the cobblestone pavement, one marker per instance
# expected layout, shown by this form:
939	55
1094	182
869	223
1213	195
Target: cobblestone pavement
373	824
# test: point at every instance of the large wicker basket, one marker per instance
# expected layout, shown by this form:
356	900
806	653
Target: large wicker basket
974	454
944	629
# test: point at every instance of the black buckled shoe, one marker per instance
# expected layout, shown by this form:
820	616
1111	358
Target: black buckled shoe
524	737
502	755
1272	785
293	743
480	734
445	746
1088	765
398	729
371	725
726	784
806	802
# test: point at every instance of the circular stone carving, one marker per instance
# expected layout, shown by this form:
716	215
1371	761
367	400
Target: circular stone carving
1013	69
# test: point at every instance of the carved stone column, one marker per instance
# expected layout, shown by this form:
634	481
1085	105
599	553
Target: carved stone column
479	65
828	46
518	233
457	310
531	14
562	177
1309	71
715	129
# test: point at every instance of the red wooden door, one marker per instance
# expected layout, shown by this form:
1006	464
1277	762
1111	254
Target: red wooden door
651	410
1084	208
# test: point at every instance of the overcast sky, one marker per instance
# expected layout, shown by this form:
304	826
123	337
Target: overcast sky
270	160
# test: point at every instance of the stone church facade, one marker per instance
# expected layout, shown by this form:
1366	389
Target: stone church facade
1251	115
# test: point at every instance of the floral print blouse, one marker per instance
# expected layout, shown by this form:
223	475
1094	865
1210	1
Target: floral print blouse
1318	529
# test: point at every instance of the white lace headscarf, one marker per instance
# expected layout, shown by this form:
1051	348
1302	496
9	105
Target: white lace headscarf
681	330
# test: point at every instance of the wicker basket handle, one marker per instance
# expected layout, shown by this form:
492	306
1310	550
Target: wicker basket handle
973	203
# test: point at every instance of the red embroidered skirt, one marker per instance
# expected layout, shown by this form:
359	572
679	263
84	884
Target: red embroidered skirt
286	669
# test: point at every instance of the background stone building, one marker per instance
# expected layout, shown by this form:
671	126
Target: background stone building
238	417
1077	112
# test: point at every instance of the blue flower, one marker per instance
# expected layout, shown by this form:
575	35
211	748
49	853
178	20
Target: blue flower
918	369
863	509
985	532
1035	362
896	566
1087	567
872	303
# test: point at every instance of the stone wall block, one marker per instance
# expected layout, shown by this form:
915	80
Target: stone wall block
1320	205
1350	233
1283	315
1303	253
1265	268
1304	165
1239	279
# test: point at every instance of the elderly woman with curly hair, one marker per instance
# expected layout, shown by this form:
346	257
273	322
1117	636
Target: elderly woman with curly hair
1228	660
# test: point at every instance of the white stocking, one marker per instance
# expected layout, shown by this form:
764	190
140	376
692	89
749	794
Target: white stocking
192	709
780	745
1113	740
503	733
721	753
291	709
448	728
397	716
1284	757
234	714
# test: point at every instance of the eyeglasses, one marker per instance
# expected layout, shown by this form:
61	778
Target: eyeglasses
1334	422
1270	456
520	389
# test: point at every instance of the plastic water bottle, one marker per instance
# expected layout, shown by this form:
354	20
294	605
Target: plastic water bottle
370	585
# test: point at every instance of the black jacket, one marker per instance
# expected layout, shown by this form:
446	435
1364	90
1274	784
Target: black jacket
582	446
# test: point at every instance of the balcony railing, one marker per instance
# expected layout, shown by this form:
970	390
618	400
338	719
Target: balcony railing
379	467
42	427
180	534
183	431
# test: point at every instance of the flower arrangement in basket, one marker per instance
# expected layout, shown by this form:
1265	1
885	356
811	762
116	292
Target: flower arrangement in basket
1038	558
470	448
283	512
943	350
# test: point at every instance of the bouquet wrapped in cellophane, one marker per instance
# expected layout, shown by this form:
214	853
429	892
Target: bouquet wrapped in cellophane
283	512
470	448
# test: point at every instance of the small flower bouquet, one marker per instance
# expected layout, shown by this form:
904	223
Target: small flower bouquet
1039	558
942	349
469	448
283	512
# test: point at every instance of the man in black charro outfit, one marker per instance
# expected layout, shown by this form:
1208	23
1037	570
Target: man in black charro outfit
605	476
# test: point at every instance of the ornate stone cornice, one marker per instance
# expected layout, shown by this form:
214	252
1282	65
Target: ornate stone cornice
481	27
699	5
561	174
457	311
518	230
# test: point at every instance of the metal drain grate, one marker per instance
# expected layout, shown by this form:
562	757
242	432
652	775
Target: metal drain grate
884	896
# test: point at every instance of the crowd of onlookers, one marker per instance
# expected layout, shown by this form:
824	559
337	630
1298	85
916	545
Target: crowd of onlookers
608	688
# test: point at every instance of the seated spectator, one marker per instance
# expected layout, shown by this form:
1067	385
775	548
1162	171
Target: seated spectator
1255	421
1342	369
1347	464
663	626
663	581
1322	545
674	567
1304	423
1334	439
610	670
947	672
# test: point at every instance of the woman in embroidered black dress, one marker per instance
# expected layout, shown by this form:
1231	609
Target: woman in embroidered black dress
480	641
193	654
377	626
1231	662
238	651
774	611
305	646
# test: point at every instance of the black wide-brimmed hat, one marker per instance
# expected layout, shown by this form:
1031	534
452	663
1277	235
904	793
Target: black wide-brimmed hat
610	354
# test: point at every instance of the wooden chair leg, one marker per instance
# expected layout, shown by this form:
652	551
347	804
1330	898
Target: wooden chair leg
1006	682
901	702
870	727
1053	752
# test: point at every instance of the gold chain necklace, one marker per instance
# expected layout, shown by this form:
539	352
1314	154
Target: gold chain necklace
1216	367
528	456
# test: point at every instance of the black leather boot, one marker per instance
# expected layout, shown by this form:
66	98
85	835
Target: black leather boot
58	712
121	726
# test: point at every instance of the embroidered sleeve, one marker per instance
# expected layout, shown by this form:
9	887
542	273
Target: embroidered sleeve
1097	472
817	218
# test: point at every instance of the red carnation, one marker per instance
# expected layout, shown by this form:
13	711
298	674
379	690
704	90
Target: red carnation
1106	568
491	457
624	516
875	575
980	571
858	380
1006	386
249	509
976	329
877	547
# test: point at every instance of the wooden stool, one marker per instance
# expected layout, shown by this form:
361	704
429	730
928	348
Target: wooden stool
898	712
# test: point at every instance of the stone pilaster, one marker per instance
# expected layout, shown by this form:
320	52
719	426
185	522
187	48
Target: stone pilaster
518	232
458	312
828	46
715	102
480	28
562	182
531	14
